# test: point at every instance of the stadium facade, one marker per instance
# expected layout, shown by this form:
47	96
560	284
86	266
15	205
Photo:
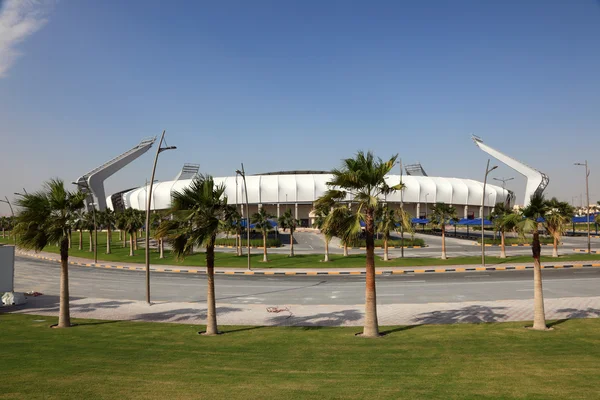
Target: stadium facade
298	190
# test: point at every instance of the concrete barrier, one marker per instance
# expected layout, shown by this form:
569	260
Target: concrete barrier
7	268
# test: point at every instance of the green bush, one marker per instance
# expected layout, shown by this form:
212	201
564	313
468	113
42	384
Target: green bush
253	242
391	242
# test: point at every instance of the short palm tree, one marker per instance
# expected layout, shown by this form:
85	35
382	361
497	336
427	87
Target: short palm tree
198	210
287	221
4	223
44	217
536	209
441	215
77	223
558	216
108	219
504	220
88	224
363	177
120	223
388	221
261	221
321	215
132	221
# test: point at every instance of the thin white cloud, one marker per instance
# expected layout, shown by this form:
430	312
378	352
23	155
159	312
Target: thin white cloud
18	20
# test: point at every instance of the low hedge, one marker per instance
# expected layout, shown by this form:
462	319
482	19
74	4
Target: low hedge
253	242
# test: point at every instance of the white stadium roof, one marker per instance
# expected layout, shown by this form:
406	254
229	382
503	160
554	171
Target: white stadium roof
305	188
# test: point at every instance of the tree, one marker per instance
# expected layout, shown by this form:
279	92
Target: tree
88	225
558	216
77	222
4	223
44	218
536	209
198	210
363	177
107	219
120	223
287	221
261	221
441	214
132	221
504	220
321	215
388	222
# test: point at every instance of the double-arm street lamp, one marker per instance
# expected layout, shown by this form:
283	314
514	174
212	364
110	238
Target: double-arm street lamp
242	173
587	207
159	150
487	171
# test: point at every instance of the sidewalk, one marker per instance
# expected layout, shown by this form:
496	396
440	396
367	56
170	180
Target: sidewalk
320	315
83	262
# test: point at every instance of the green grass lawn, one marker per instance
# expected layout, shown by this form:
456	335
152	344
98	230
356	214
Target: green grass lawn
229	259
135	360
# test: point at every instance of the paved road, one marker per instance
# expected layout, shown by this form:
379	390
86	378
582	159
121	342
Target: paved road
42	276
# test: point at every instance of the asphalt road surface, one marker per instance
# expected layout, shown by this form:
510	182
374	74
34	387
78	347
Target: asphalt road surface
43	276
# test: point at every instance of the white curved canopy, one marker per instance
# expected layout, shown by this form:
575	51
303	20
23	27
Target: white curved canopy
306	188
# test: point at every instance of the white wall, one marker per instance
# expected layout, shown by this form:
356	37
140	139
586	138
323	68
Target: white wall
7	268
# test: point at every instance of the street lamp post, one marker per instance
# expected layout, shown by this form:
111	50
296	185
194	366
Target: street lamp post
148	205
587	207
243	174
401	214
487	171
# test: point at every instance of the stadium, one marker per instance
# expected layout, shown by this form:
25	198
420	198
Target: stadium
298	190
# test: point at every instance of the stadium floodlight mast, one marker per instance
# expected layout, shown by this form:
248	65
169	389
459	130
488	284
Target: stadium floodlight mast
503	180
587	207
487	171
159	150
242	173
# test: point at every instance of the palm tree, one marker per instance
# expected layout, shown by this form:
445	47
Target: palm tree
261	222
321	215
77	222
200	207
363	178
441	215
504	220
108	219
44	217
131	223
88	223
121	222
558	216
4	223
388	222
536	209
287	221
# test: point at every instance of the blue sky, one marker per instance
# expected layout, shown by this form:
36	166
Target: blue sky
282	85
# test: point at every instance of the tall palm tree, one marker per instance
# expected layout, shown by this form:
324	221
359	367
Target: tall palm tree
388	221
108	219
88	223
77	223
363	177
321	215
120	223
200	208
504	220
261	221
44	218
557	218
536	209
441	214
287	221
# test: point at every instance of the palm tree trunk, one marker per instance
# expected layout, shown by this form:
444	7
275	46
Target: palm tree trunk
124	237
135	242
291	243
385	248
265	259
3	234
108	237
444	242
539	316
502	245
555	248
371	328
80	240
91	242
121	235
211	310
69	235
161	248
64	315
345	250
131	244
326	251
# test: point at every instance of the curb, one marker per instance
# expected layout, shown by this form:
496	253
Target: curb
512	245
585	251
383	248
320	273
245	247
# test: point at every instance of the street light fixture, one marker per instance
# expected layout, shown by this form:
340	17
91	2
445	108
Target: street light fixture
487	171
159	150
242	173
587	207
503	180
